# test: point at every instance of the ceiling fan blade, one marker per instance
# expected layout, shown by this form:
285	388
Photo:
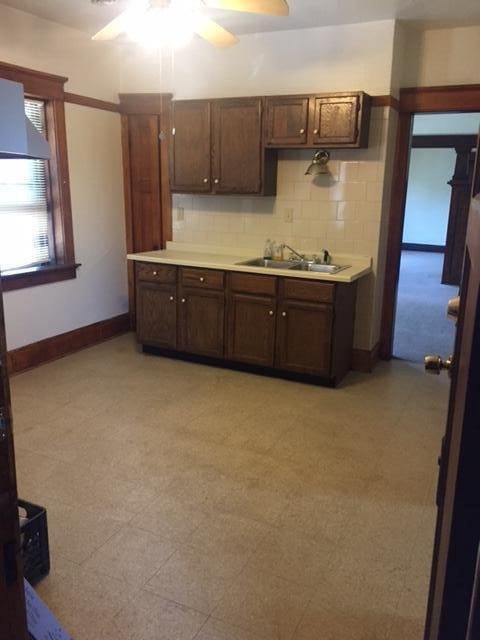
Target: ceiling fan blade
119	24
268	7
213	33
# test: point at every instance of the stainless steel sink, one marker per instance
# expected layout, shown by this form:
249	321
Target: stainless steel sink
294	265
320	268
271	264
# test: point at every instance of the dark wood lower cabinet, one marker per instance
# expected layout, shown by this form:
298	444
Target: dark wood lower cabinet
276	323
251	329
201	322
304	337
157	314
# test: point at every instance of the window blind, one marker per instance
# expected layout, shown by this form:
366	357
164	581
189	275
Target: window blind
24	211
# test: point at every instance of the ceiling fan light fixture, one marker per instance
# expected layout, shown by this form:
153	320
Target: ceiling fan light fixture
157	27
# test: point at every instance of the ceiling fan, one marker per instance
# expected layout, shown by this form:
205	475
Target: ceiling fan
175	21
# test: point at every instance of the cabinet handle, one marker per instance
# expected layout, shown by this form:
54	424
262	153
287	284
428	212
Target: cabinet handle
284	314
205	180
302	131
183	300
270	313
202	279
171	298
315	131
155	273
216	181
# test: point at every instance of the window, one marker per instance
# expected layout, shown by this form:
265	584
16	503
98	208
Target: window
36	234
25	211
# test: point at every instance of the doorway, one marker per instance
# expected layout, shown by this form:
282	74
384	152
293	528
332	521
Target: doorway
441	161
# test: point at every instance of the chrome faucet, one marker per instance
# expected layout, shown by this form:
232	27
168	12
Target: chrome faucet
300	255
325	258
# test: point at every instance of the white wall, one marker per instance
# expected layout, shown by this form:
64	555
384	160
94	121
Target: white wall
428	195
94	152
446	123
321	59
442	57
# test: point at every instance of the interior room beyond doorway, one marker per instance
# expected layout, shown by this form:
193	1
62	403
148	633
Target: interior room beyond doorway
438	193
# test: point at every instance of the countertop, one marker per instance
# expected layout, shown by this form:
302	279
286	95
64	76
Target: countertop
183	254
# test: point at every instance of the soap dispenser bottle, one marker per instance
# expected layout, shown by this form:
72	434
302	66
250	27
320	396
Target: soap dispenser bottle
268	249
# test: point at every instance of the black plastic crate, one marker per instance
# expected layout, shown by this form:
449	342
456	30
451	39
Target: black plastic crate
34	542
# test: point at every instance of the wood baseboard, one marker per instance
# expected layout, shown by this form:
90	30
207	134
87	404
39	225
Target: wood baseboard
364	360
414	246
32	355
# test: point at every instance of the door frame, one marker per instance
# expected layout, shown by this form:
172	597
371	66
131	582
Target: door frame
413	100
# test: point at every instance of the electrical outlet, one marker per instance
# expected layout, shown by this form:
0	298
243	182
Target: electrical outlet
288	214
180	214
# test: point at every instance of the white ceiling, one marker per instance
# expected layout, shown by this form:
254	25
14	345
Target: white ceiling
83	15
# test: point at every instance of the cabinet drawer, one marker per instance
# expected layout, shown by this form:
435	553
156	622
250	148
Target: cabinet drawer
249	283
307	290
202	278
151	272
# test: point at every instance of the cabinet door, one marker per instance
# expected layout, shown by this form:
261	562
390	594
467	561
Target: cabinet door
190	156
156	315
251	329
144	162
336	120
237	159
201	322
287	120
304	337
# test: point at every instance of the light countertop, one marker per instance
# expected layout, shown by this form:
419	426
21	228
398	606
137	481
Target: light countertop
183	254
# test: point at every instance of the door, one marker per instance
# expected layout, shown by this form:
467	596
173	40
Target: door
157	315
336	120
458	523
12	598
304	337
237	158
251	329
190	158
201	322
287	120
461	184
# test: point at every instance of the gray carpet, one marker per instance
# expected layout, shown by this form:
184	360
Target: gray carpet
421	324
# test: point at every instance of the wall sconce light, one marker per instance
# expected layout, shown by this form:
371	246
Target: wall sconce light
318	166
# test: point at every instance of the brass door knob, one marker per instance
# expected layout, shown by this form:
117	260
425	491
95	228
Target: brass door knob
453	308
171	298
315	131
284	314
302	131
205	180
270	313
183	300
216	181
202	279
436	364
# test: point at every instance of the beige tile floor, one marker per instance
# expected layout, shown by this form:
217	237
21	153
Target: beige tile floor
191	502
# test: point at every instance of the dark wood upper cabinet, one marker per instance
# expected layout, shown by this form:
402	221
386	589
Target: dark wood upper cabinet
190	154
237	150
217	147
251	329
332	121
201	322
286	120
341	120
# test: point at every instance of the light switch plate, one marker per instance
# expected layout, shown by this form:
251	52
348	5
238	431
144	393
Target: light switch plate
288	214
180	214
